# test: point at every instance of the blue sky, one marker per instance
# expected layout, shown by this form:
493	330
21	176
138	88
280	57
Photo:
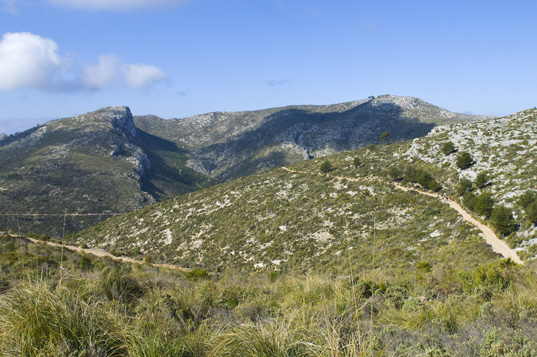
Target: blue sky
177	58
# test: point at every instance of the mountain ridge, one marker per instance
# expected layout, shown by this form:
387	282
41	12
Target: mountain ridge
110	160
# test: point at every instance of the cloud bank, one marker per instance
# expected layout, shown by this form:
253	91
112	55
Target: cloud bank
117	5
32	61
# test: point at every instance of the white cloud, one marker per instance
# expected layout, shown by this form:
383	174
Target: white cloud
32	61
142	75
111	70
118	5
27	60
104	73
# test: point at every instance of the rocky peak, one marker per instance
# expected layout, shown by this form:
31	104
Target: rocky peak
403	102
120	118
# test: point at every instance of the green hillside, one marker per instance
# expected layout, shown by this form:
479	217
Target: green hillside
280	220
503	153
93	163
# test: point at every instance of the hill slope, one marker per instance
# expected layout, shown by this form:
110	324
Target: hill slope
503	149
90	163
282	220
279	218
108	161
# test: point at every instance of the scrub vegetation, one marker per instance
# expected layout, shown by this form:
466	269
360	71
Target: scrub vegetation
62	303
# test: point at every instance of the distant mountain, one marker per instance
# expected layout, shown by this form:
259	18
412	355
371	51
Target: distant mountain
91	163
228	145
110	161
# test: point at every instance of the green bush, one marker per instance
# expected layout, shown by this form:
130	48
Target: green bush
448	148
502	219
527	199
116	284
197	274
395	173
38	320
357	162
326	166
531	212
469	200
484	204
464	186
464	160
482	180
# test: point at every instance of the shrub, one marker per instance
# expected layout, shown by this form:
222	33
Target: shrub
469	200
197	274
531	212
326	166
448	148
35	319
116	284
482	180
464	186
484	204
384	136
269	339
464	160
357	162
527	199
395	173
502	219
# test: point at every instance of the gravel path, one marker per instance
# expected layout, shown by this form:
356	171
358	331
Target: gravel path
102	253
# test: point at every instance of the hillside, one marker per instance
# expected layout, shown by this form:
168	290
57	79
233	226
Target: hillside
93	163
283	220
503	151
109	162
229	145
279	219
54	301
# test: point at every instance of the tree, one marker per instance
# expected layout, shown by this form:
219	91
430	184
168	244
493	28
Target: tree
481	180
484	204
502	219
464	160
357	162
424	178
326	166
433	185
531	212
469	200
384	136
527	199
448	148
395	173
464	186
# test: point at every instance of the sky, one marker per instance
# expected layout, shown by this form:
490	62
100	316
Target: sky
177	58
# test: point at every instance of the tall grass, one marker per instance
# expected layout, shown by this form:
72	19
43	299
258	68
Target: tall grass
38	319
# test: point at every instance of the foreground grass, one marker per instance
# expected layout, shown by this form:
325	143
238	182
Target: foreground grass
66	304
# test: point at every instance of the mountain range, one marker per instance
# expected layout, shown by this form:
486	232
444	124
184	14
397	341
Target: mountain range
304	216
109	161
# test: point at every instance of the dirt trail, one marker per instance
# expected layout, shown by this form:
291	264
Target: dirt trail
102	253
490	237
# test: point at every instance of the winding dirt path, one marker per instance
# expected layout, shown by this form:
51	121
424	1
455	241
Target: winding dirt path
101	253
498	245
